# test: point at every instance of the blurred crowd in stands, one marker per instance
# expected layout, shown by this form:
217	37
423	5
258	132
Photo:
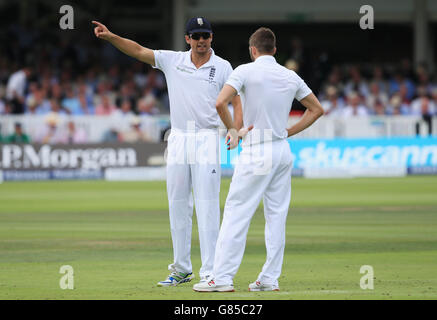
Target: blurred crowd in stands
56	77
60	77
402	92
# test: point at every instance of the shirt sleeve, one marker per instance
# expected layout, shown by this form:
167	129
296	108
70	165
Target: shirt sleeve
163	59
236	79
302	90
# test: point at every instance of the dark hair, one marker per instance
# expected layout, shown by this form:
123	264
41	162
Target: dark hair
264	40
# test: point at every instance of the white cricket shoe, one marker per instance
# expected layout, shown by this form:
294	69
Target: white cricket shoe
210	286
259	286
176	278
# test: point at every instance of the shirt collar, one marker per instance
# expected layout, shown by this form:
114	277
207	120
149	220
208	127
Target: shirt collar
189	63
266	59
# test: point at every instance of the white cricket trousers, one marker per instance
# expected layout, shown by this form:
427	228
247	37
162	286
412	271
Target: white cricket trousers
193	168
263	171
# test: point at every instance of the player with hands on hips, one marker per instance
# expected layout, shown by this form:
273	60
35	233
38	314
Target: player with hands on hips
267	90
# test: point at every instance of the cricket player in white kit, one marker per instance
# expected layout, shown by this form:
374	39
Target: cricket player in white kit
263	170
194	80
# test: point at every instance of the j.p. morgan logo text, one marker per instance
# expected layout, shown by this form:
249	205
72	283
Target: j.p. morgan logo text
48	157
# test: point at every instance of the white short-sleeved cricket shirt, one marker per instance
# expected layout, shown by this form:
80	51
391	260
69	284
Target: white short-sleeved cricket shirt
267	90
192	92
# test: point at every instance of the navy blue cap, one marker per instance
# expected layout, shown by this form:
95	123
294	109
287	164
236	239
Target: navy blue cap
198	24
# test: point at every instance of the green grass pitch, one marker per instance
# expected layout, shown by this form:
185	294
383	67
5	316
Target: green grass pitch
116	237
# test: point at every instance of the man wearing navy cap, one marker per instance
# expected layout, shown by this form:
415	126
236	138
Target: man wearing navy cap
194	80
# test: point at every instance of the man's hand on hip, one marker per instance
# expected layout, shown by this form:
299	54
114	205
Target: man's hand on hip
233	137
